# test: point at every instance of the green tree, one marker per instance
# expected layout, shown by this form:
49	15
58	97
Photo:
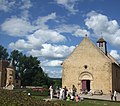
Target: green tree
3	53
29	68
16	56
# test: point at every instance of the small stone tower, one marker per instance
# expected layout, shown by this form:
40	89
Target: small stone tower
10	78
102	45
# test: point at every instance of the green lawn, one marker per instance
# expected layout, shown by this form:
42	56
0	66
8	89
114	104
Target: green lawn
88	103
20	98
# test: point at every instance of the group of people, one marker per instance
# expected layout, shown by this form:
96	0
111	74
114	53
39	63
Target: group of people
65	94
71	94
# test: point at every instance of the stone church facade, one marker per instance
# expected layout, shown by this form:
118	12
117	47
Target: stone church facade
91	67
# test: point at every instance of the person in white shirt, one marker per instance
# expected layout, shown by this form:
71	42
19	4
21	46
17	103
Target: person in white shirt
115	95
51	92
61	93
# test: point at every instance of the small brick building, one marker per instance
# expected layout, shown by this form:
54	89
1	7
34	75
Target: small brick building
91	67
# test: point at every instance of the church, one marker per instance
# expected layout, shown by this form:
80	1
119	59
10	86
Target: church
91	67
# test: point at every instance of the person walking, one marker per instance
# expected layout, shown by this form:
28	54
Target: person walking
111	94
61	94
51	92
65	92
115	95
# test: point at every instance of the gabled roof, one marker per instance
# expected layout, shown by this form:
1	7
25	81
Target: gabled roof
113	60
11	64
101	40
108	56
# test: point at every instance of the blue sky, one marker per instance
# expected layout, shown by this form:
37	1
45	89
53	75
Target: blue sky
51	29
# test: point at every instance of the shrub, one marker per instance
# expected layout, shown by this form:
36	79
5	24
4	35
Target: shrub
20	98
38	91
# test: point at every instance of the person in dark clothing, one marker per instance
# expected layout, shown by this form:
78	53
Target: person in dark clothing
65	92
111	95
74	90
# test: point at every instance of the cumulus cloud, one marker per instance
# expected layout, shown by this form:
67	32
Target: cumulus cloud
17	27
75	30
55	51
52	51
65	28
81	32
42	36
21	45
115	54
68	4
26	4
41	21
52	63
6	5
103	26
38	38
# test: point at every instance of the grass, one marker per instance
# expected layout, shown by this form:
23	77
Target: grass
88	103
20	98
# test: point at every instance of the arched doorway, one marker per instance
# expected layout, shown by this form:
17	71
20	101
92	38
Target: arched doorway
86	85
85	80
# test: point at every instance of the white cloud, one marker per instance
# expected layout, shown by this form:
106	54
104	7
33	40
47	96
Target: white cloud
115	54
41	21
102	26
68	4
6	5
17	27
75	30
21	44
52	51
81	32
61	51
52	63
100	23
25	14
36	39
67	28
26	4
42	36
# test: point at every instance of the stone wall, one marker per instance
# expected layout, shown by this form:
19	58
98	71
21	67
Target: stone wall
98	65
3	65
116	77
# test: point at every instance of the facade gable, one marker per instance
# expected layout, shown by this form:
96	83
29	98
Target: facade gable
87	51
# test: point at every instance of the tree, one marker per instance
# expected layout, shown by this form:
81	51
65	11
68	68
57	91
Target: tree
3	53
29	68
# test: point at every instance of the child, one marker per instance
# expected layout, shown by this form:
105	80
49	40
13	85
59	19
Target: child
77	98
68	97
72	98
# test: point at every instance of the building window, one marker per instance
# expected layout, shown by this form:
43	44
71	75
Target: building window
10	74
85	66
100	44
